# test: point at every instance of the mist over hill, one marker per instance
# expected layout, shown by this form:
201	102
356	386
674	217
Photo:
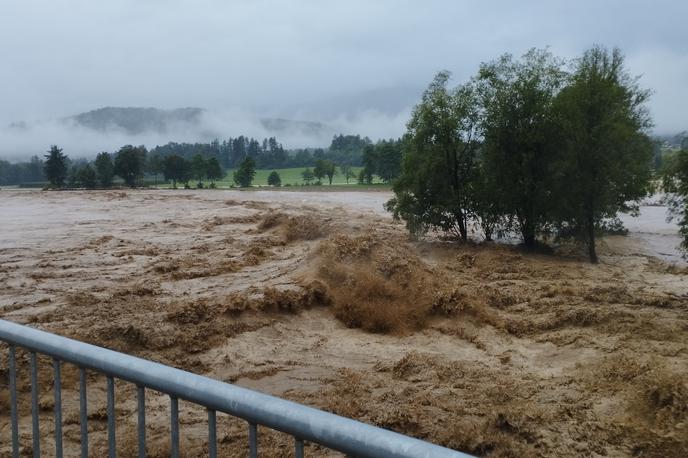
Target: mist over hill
107	129
137	121
134	120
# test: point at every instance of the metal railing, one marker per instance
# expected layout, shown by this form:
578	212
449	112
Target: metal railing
303	423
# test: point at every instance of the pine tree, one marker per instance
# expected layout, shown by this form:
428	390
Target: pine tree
55	167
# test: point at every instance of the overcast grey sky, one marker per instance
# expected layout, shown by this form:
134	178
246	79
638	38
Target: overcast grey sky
305	58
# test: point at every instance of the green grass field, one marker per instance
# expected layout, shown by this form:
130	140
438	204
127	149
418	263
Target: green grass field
291	176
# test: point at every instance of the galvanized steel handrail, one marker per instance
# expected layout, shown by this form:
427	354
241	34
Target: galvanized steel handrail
304	423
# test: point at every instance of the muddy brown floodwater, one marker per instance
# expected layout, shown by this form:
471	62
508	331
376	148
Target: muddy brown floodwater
321	298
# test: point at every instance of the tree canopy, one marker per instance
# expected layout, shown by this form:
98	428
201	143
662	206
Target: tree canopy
603	151
55	167
129	164
243	176
105	169
525	146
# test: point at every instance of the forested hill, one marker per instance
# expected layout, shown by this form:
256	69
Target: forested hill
138	120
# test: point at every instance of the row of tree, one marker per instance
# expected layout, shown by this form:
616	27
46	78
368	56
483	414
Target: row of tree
528	145
346	150
130	163
268	154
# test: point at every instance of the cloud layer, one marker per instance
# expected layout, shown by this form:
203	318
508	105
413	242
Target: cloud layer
304	58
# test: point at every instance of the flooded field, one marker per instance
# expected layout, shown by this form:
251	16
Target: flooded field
321	298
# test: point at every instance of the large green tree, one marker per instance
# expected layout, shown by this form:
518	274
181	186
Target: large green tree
214	170
605	155
55	167
388	159
154	166
243	176
105	169
176	168
517	96
129	164
199	169
435	188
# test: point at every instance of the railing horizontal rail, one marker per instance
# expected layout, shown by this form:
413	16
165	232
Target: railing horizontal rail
304	423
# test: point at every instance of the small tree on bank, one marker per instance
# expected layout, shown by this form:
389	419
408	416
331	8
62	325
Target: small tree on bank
199	169
214	170
307	176
176	169
154	166
274	179
55	167
105	169
129	164
243	176
347	172
330	170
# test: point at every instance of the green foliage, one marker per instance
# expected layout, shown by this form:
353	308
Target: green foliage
177	169
129	164
604	155
55	167
324	168
435	189
83	177
155	165
243	176
369	158
199	169
388	159
308	176
105	169
517	98
675	184
526	146
347	172
214	170
31	171
347	149
274	179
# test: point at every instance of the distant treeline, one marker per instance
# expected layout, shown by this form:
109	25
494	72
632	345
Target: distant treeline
184	162
344	150
269	154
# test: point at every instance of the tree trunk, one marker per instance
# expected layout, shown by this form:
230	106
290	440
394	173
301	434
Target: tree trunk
528	234
591	240
463	230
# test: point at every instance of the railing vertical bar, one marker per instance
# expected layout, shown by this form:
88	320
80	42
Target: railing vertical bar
34	406
298	447
112	448
174	426
212	433
83	412
13	401
57	375
141	395
252	440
